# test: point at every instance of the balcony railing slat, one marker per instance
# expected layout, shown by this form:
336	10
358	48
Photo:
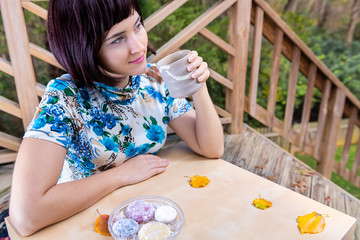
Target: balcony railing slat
162	13
279	34
290	99
355	168
307	104
256	56
347	144
6	67
44	55
306	50
321	118
220	79
40	89
192	29
10	142
7	156
332	125
34	8
10	107
217	41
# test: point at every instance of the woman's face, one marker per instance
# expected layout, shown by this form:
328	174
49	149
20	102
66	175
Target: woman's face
123	51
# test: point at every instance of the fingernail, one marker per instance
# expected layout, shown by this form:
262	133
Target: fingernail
190	67
194	75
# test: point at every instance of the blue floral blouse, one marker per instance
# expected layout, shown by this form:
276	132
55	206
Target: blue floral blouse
102	126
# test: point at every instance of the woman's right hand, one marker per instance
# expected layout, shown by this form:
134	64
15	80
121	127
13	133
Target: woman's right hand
142	167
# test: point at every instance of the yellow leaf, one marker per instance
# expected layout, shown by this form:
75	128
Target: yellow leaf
101	224
311	223
262	203
199	181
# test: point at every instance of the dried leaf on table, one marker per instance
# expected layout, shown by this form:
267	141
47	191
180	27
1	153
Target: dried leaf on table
301	184
101	224
272	178
311	223
260	166
262	203
307	172
199	181
328	199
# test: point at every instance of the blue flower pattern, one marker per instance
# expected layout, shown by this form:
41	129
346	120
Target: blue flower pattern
102	126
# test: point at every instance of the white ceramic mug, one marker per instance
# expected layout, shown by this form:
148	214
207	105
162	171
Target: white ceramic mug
173	69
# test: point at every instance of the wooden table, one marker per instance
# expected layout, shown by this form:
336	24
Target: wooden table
221	210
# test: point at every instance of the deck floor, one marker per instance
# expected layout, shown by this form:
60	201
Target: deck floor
255	153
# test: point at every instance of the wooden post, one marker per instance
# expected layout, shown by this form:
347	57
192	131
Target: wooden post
332	125
239	32
18	44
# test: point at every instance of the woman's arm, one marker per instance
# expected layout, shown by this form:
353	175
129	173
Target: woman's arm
201	129
38	201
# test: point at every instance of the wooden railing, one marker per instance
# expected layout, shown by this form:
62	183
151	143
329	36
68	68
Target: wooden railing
337	101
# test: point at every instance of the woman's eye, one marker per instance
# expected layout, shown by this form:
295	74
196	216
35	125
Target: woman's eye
138	26
118	40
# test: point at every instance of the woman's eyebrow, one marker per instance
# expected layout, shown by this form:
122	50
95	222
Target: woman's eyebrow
116	35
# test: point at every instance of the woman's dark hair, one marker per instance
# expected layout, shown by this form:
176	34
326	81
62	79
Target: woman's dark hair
76	30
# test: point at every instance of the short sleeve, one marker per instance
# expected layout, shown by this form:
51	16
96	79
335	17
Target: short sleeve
176	107
53	121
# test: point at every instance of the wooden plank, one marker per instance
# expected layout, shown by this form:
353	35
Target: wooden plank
321	118
305	117
240	33
347	111
256	56
222	112
24	75
10	107
162	13
217	41
353	209
290	99
7	156
220	79
225	120
10	142
187	33
40	89
356	163
260	115
274	78
44	55
294	38
6	67
34	8
347	144
332	125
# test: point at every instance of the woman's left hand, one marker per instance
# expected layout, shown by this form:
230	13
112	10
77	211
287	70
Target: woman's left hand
202	72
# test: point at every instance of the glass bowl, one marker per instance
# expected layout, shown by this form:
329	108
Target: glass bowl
119	212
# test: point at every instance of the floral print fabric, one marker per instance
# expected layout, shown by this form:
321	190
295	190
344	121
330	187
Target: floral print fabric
102	126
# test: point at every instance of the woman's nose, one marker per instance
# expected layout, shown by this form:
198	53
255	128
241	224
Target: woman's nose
135	44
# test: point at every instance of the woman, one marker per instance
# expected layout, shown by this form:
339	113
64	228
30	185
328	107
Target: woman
96	128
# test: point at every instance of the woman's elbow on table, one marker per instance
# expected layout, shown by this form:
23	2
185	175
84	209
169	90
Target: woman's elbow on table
24	223
214	152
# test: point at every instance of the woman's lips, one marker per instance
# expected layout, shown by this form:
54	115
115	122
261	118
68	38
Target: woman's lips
139	60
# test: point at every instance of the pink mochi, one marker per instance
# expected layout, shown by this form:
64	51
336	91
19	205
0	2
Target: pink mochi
140	211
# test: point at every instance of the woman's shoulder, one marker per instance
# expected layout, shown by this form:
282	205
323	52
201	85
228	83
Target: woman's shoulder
65	83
